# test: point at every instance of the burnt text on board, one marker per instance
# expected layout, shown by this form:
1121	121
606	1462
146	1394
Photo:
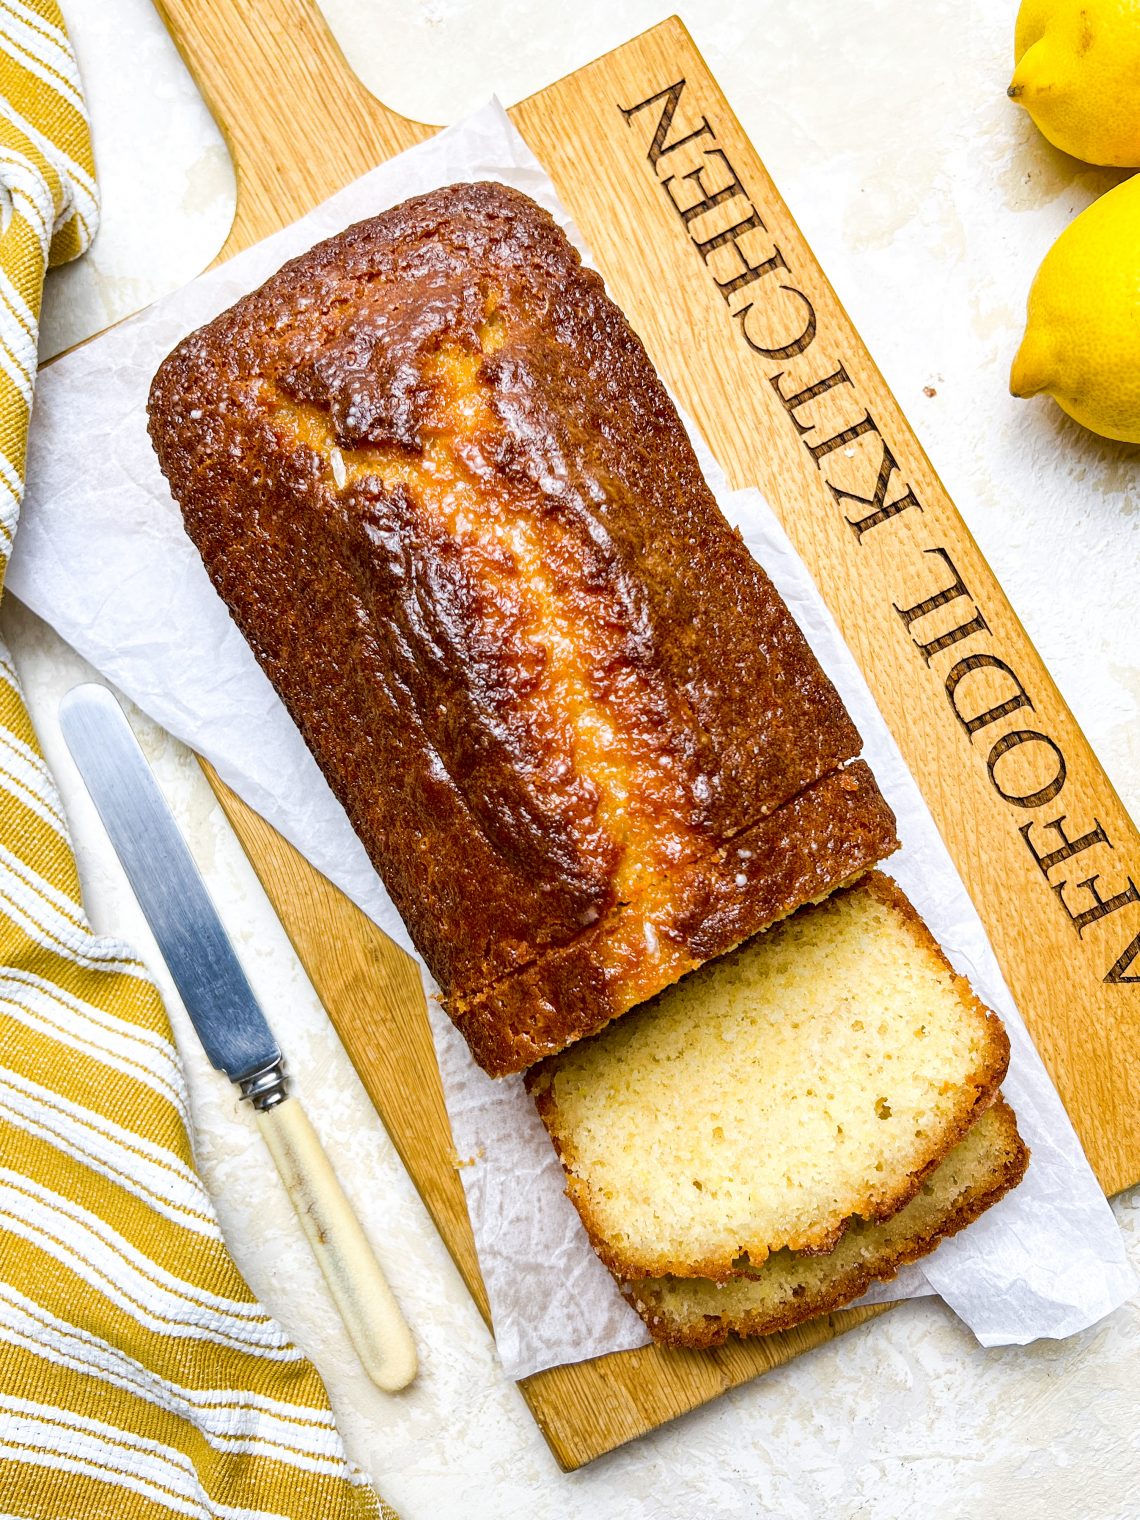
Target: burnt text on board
947	629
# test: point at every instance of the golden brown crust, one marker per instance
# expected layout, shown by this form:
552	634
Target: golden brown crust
700	1331
825	837
431	471
976	1091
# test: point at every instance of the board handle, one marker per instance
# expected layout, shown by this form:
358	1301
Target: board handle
298	122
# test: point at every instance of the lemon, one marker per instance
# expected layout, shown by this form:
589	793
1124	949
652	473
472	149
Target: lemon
1082	330
1078	76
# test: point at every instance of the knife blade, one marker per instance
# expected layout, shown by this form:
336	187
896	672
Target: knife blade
229	1020
170	890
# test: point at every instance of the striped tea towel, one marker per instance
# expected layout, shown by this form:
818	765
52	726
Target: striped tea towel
138	1375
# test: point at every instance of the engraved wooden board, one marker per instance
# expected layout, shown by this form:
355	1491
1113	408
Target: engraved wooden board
701	252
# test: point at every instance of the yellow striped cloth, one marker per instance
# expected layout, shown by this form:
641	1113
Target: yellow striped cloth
138	1375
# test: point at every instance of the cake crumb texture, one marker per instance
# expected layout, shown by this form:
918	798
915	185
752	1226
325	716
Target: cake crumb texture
813	1076
792	1286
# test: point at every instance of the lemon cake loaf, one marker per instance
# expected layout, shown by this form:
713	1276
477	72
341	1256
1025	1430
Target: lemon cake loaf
814	1075
431	471
793	1286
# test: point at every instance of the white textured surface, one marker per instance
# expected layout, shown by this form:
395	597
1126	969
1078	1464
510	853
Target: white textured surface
929	200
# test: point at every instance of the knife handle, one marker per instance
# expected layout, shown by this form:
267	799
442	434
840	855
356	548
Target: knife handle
359	1288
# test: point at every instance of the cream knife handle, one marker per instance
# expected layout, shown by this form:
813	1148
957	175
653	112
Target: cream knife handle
358	1285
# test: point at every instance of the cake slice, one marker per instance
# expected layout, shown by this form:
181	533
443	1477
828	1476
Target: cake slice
815	1075
793	1286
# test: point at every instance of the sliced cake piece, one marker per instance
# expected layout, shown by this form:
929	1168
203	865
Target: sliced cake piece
793	1286
817	1073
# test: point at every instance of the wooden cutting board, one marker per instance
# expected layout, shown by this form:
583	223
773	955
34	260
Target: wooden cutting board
702	253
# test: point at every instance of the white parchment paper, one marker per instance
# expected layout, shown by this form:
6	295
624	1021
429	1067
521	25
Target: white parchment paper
101	555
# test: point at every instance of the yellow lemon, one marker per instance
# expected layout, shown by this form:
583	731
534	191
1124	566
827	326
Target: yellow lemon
1082	330
1078	76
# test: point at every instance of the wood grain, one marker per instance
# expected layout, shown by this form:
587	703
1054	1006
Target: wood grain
299	126
297	121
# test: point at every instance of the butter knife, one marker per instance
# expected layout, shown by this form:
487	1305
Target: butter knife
229	1020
